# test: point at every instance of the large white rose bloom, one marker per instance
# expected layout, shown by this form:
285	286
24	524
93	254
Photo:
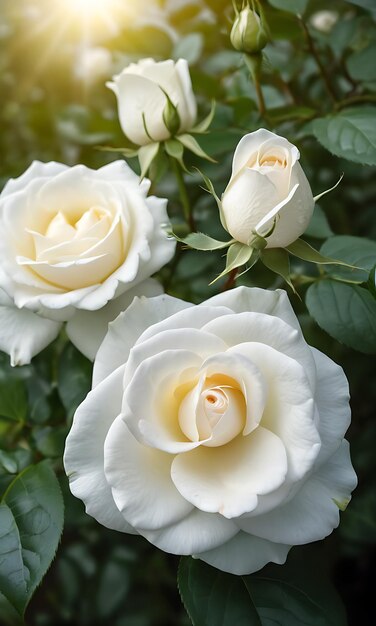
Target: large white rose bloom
213	430
72	240
141	90
267	187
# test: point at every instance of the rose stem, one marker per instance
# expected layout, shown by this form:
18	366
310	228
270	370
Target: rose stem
230	282
314	53
260	97
187	209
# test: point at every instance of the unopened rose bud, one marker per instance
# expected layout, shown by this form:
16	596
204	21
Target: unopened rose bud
248	33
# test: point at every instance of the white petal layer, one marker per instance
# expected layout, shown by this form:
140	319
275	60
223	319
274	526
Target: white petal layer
84	452
245	554
227	480
141	482
22	333
267	329
290	409
87	329
332	401
313	513
197	532
242	299
124	332
250	144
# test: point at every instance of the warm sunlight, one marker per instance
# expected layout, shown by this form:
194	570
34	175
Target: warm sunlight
96	17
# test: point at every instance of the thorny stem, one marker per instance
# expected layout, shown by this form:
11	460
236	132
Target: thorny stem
314	53
187	209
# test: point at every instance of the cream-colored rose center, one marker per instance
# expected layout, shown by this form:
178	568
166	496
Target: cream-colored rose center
75	249
213	411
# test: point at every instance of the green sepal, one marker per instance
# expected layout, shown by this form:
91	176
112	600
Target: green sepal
277	260
209	187
175	150
191	144
171	117
323	193
238	254
127	152
304	251
202	127
146	155
200	241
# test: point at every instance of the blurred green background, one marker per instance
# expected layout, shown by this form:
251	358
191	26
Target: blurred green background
55	56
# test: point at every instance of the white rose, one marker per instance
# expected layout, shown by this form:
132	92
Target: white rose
71	240
267	186
213	430
141	93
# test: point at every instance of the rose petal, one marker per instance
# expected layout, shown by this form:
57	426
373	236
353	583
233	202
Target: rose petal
22	333
124	332
84	452
87	329
140	480
245	554
227	480
313	513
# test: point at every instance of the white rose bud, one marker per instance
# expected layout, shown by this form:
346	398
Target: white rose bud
74	243
248	33
214	430
267	189
143	91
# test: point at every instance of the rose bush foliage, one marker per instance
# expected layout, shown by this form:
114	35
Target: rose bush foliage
73	240
214	430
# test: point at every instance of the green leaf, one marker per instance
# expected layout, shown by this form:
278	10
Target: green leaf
127	152
350	134
356	251
200	241
289	112
190	142
299	593
319	227
189	47
13	399
146	155
238	254
31	522
304	251
73	378
277	260
361	65
15	461
203	126
214	598
364	4
292	6
346	312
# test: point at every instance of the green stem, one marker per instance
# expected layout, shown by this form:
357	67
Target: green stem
187	209
260	97
366	97
320	65
254	63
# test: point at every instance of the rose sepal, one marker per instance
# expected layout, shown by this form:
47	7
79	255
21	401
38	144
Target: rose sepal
302	250
238	254
200	241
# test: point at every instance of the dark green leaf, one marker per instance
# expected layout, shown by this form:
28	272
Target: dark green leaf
74	378
319	227
346	312
299	593
214	598
15	461
13	399
361	65
292	6
356	251
350	134
364	4
31	522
